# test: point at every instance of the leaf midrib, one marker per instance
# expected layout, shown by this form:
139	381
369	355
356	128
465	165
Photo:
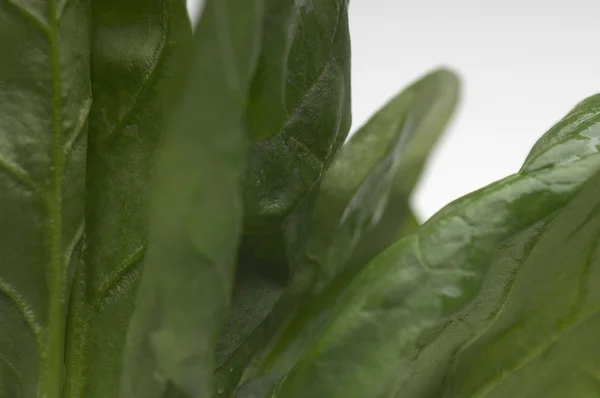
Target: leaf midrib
53	356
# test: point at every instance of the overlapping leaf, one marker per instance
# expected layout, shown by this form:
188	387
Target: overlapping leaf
392	310
532	330
135	48
353	195
197	219
299	110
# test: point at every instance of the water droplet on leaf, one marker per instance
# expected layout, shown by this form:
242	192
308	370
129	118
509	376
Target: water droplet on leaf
220	384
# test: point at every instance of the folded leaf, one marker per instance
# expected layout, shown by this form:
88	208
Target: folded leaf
381	321
353	195
45	99
135	48
196	220
300	109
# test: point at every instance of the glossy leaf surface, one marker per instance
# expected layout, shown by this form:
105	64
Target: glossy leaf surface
134	53
532	330
197	218
381	321
45	99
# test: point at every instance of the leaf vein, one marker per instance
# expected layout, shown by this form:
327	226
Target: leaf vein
309	89
79	128
533	354
113	280
22	306
77	237
150	77
19	174
301	145
31	17
13	370
570	323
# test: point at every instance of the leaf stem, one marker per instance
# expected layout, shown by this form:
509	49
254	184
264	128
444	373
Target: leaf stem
53	356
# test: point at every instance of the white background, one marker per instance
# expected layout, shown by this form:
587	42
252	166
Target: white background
524	64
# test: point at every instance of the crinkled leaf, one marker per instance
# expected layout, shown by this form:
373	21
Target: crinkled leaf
380	323
300	104
353	194
45	99
299	113
134	52
187	279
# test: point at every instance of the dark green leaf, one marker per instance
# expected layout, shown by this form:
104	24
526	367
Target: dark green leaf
45	99
380	322
133	63
266	110
197	218
299	112
300	102
353	194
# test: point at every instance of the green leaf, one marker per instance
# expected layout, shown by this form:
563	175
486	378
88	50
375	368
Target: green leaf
386	316
300	105
532	329
355	193
299	113
363	198
196	223
135	49
266	112
45	99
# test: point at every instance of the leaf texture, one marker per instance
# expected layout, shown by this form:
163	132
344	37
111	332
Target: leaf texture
197	215
45	99
299	106
386	315
352	197
135	53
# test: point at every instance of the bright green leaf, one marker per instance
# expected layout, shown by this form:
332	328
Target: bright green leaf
530	331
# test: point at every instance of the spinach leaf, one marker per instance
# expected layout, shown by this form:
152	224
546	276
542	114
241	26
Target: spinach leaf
136	45
299	110
45	99
541	339
535	303
378	325
352	195
299	115
196	219
353	218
